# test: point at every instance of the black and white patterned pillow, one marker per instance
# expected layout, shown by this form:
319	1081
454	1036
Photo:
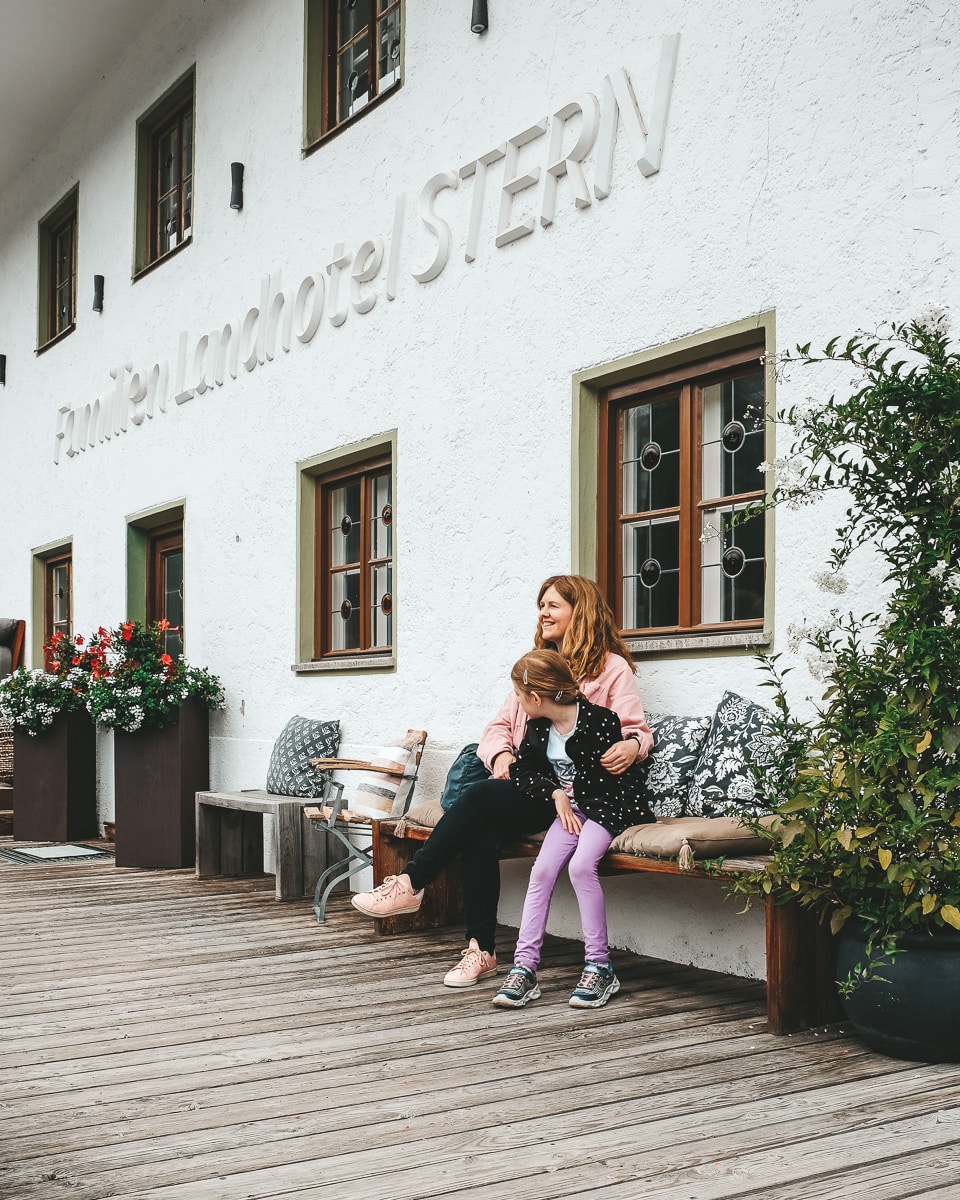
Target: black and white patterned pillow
668	768
290	772
723	783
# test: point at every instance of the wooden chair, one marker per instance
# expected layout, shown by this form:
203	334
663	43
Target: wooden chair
11	645
335	819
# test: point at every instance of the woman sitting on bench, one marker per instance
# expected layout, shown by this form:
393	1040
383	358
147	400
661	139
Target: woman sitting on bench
576	620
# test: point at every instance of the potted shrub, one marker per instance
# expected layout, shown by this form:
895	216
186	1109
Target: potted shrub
54	741
868	793
159	708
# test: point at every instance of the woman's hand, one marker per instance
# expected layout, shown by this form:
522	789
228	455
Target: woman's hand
568	818
501	765
620	756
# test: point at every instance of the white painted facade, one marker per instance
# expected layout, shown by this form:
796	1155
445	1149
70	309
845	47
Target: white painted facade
809	169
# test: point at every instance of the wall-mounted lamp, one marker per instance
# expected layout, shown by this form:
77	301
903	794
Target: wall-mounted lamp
98	293
3	369
479	22
236	186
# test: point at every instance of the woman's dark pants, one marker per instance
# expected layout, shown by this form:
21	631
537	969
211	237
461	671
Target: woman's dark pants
487	815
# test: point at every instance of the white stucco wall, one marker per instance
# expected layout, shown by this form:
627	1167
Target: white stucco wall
809	167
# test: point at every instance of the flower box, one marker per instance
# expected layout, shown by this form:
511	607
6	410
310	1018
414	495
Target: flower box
55	774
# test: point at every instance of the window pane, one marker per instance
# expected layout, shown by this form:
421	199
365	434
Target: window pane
354	87
345	524
732	567
168	152
388	55
345	610
651	448
651	573
188	208
381	518
167	216
381	605
733	437
353	17
172	584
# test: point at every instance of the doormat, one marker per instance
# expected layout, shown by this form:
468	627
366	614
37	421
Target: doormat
46	854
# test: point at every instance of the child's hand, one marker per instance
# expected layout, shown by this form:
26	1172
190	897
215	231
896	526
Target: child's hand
568	818
501	766
620	756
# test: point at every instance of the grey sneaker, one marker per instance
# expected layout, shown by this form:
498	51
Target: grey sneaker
518	989
597	984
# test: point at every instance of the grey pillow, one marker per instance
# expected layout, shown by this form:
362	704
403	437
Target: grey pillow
290	772
724	782
668	768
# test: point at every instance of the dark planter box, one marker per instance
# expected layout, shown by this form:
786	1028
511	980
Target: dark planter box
56	781
157	773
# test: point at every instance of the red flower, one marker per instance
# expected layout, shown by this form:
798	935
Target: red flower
163	625
126	631
78	639
166	659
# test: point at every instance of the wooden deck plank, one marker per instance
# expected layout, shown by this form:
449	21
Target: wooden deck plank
175	1039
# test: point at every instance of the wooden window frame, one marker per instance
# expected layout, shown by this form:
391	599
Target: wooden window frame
170	112
364	472
161	542
687	381
322	67
50	566
61	220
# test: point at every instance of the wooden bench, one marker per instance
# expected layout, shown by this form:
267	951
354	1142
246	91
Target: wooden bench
230	837
799	951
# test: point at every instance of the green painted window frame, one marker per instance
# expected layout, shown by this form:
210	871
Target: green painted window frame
43	556
311	473
588	386
319	71
142	527
64	216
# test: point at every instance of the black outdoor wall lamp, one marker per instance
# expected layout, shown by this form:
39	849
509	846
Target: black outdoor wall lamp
98	293
3	370
236	186
479	22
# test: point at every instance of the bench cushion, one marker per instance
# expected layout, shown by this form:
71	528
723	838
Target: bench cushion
290	772
708	837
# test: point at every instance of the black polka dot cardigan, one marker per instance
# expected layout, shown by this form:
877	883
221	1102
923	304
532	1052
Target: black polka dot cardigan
614	801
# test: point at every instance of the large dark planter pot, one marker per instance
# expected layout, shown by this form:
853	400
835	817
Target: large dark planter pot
912	1011
55	775
157	773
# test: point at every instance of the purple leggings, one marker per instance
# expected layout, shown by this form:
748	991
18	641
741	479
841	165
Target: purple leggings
583	852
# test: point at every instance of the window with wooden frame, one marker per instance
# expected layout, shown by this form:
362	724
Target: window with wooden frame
57	312
680	454
353	59
165	583
165	175
57	595
353	609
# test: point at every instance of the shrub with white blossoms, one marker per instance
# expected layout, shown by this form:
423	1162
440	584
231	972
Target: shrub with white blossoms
145	686
871	821
32	698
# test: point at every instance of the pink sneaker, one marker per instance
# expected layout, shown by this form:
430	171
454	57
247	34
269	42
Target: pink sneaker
395	895
475	964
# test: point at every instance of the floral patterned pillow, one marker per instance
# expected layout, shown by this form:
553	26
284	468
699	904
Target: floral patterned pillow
668	768
723	783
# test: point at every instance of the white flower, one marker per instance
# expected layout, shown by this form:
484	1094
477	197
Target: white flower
953	580
933	318
821	666
950	614
939	570
830	581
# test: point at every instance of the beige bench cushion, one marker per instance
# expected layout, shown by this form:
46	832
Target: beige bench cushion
707	837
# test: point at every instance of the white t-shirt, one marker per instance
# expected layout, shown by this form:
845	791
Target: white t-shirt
558	758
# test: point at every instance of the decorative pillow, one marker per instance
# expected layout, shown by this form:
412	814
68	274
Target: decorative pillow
668	768
723	783
374	795
290	772
707	837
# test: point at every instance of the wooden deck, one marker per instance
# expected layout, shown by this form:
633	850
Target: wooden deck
175	1040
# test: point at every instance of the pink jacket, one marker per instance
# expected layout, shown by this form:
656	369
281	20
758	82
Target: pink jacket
615	687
